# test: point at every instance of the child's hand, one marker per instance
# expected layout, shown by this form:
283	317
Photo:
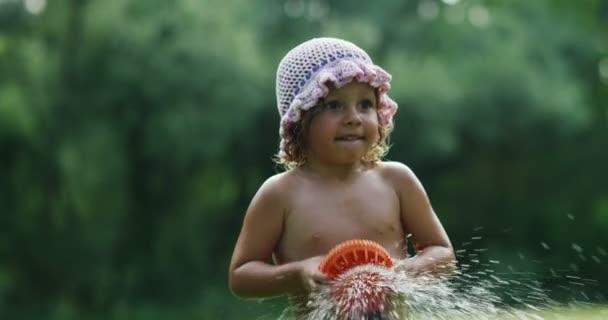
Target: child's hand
401	266
309	274
421	266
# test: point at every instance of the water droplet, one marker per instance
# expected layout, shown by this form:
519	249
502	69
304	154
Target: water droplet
577	248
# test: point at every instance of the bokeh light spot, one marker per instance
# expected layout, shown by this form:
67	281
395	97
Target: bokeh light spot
294	8
479	16
603	69
455	14
428	10
34	7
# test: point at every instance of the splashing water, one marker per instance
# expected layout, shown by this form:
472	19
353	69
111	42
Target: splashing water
376	291
475	291
372	292
362	291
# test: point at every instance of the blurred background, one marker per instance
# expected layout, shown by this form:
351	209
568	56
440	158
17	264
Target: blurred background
133	135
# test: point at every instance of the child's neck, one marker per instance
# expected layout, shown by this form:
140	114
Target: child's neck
334	171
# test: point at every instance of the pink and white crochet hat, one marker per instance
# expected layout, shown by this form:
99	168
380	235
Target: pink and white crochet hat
304	72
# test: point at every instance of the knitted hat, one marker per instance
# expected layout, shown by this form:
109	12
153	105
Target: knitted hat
304	72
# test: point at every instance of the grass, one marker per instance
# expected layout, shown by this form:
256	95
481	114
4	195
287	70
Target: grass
260	311
597	312
579	313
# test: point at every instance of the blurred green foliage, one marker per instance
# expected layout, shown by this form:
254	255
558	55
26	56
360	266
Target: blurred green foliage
134	133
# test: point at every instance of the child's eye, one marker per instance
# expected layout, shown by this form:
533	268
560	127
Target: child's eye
367	104
332	105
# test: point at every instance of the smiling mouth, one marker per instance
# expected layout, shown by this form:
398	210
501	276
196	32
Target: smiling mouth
350	138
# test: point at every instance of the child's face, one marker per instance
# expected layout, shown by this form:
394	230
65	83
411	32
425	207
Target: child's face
346	125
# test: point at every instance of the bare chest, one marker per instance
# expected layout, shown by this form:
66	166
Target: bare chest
322	217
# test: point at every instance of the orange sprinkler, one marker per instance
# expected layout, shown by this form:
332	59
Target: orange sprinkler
352	253
358	292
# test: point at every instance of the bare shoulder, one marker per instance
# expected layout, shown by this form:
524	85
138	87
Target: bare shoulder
275	189
276	192
397	173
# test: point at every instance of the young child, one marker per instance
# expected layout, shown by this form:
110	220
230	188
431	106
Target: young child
335	122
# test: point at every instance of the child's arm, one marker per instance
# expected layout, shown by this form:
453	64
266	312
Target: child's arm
434	252
251	276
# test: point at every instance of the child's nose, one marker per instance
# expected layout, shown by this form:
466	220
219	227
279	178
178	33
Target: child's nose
352	116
